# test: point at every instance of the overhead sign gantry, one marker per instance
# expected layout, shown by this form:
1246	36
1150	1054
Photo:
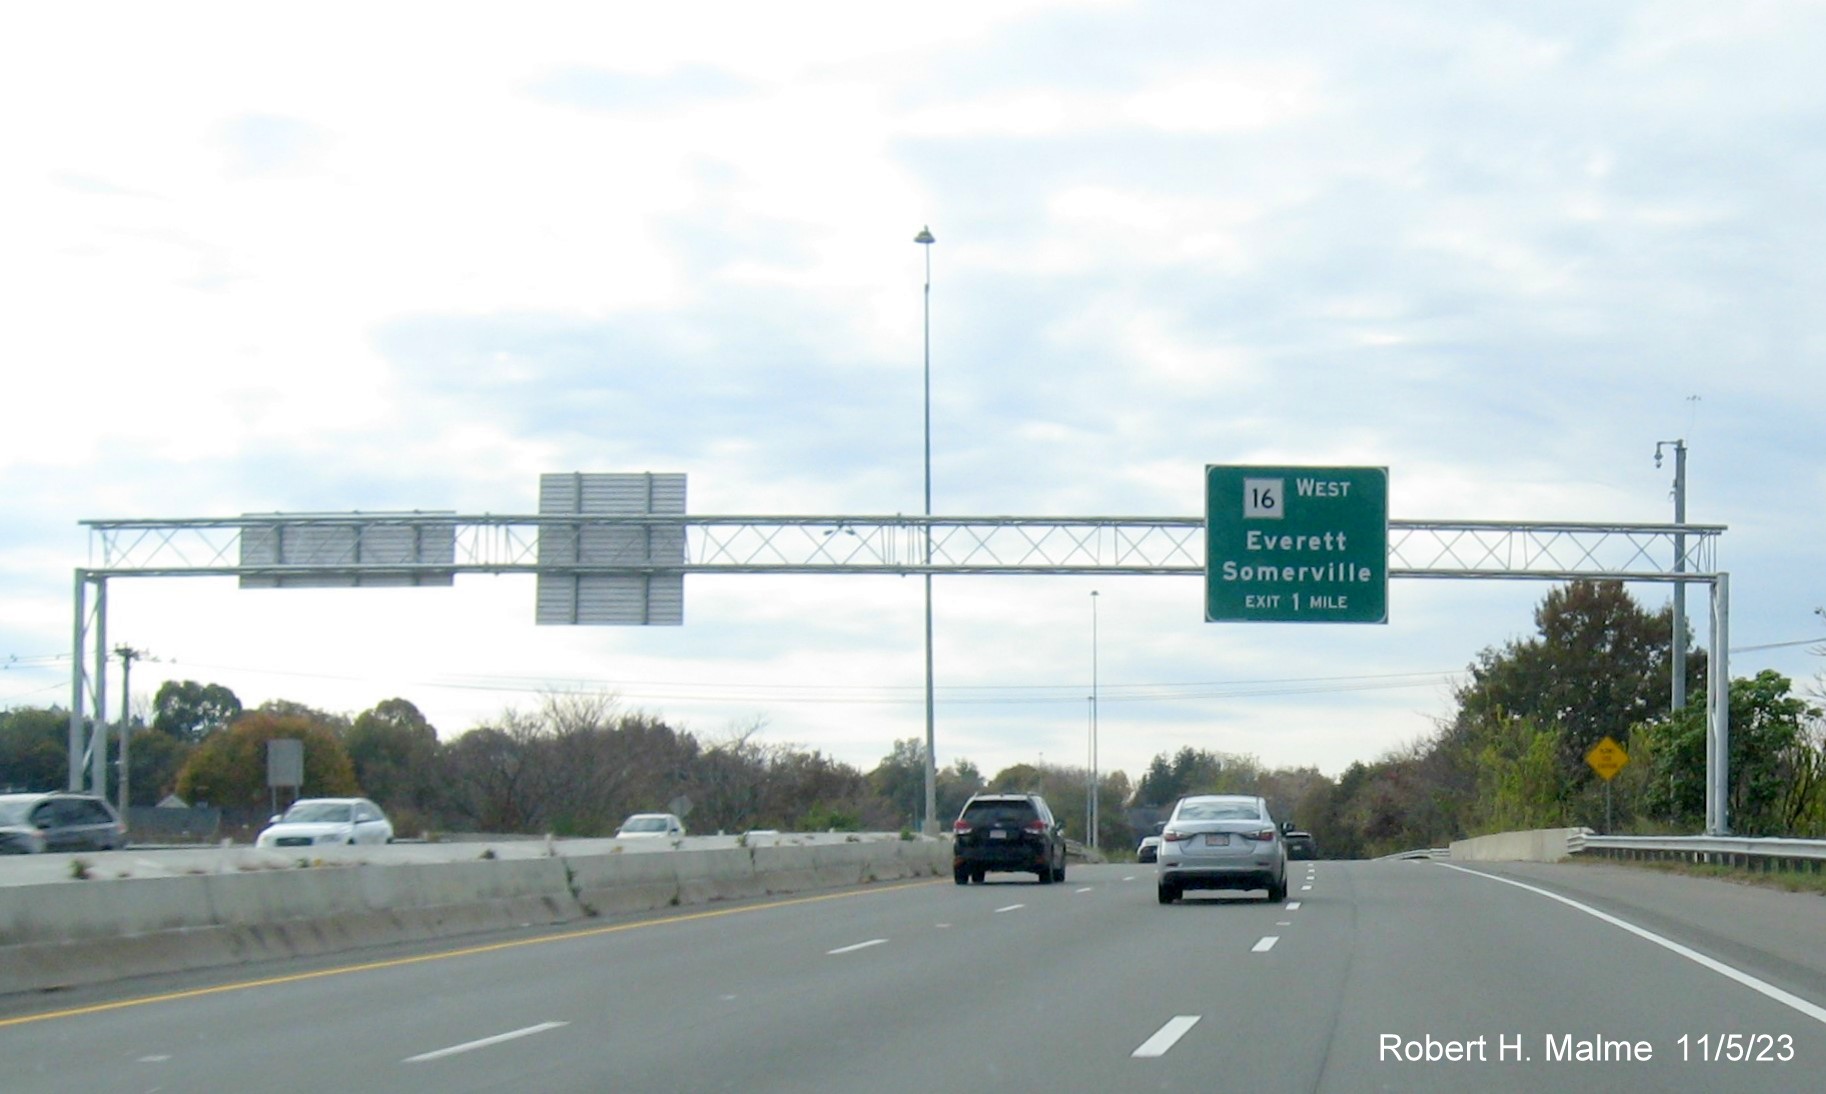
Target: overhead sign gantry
617	551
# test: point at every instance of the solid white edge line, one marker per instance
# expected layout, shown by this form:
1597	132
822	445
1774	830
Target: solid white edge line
1787	999
857	946
1266	944
483	1043
1165	1037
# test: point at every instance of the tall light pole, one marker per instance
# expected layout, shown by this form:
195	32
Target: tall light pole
1092	840
1679	693
930	826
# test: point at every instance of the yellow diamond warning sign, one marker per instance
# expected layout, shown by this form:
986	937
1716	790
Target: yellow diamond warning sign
1607	758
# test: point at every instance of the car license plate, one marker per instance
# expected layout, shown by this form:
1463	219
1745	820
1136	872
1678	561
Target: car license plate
1217	839
997	833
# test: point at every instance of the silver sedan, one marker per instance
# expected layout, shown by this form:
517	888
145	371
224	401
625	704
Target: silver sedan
1221	841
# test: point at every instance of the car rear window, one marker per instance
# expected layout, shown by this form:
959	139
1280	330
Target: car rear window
1201	811
1005	812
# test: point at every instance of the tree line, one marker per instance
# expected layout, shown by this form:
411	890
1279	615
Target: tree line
573	766
1511	756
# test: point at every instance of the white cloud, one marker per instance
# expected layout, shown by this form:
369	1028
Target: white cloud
270	264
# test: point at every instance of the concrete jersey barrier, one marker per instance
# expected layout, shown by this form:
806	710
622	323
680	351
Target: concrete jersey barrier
72	932
1538	845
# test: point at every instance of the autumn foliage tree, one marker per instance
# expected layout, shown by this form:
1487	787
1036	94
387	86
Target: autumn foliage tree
229	768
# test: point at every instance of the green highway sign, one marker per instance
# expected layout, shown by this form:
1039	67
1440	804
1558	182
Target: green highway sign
1296	544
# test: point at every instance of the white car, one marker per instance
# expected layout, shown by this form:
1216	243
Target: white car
312	822
651	826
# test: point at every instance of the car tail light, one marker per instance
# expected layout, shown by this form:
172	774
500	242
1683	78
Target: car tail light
1037	827
1172	835
960	827
1263	835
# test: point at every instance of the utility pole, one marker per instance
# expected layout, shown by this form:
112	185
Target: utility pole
1679	692
1091	836
127	655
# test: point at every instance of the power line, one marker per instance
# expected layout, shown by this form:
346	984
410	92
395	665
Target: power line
892	694
1775	645
32	659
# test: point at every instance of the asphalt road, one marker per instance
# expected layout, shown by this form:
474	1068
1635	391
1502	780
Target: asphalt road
1366	971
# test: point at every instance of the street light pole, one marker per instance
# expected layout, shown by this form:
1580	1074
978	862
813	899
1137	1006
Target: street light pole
1092	841
930	826
1678	697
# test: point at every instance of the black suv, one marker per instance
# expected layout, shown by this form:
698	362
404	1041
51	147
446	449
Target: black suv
1007	832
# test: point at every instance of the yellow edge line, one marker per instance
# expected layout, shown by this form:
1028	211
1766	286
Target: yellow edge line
470	951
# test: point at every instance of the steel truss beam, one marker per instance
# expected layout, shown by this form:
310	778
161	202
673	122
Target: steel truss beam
899	544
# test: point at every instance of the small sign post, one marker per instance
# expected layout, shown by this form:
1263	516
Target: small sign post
1607	758
284	767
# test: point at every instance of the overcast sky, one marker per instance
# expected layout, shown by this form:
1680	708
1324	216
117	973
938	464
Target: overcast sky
361	256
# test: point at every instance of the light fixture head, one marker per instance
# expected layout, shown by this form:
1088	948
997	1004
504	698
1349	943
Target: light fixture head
924	236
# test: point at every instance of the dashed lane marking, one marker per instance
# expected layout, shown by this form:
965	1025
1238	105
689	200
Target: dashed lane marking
857	946
1165	1037
1266	944
470	1046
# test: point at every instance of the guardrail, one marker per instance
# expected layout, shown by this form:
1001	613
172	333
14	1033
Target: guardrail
1766	853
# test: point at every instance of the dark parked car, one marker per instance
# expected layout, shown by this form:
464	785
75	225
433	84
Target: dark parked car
1007	832
1300	844
36	823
